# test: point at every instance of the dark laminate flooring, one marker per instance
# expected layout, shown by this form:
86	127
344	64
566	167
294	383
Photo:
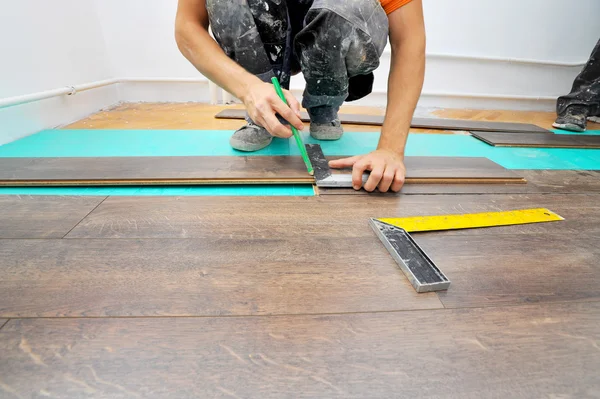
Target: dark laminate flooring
256	297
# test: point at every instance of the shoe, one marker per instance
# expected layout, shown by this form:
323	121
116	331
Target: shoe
595	119
574	119
326	131
250	138
324	123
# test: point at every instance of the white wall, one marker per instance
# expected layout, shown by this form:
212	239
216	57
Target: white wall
141	44
546	30
47	45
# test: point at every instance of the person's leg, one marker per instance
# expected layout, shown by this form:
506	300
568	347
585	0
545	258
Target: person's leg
253	33
338	50
584	100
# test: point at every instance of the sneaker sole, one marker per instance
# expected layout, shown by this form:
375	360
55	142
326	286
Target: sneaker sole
568	126
245	147
325	137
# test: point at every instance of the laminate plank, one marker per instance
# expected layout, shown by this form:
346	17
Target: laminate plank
538	182
42	216
222	170
201	277
419	123
153	170
538	140
317	217
487	270
505	352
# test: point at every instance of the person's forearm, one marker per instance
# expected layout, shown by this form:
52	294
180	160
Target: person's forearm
404	88
209	59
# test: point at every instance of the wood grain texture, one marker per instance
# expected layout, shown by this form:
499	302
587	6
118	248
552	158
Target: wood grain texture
488	270
201	277
538	140
153	170
42	216
422	123
538	181
317	217
222	170
504	352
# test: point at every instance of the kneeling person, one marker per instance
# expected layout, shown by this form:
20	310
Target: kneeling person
335	44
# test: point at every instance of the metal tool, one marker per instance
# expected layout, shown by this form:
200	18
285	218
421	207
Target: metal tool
420	270
323	175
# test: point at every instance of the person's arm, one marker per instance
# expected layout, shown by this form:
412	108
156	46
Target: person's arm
407	39
260	99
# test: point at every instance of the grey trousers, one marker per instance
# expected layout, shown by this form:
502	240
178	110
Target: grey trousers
586	87
336	44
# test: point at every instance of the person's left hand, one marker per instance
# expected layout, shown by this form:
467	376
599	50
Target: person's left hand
387	170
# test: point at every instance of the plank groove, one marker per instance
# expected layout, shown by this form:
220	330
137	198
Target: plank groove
527	351
538	140
201	277
420	123
221	170
42	216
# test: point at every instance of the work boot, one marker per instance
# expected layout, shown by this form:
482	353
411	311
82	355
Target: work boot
325	124
250	138
574	118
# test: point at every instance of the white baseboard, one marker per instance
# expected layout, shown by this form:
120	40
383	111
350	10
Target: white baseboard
460	101
23	120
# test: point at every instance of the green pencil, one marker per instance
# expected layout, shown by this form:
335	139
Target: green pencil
294	130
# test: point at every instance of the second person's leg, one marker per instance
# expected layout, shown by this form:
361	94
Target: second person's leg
584	100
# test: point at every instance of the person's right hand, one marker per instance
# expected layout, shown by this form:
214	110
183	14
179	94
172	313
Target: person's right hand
262	103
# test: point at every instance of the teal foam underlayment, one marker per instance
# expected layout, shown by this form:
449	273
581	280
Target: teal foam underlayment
262	190
100	143
586	133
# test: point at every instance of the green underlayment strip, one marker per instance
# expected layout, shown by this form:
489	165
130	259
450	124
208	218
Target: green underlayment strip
98	143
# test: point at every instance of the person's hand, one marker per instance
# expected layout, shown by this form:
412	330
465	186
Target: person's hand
387	170
262	103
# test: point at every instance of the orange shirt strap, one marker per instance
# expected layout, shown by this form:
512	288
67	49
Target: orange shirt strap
393	5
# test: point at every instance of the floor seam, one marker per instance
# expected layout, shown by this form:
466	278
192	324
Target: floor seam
555	303
5	323
88	214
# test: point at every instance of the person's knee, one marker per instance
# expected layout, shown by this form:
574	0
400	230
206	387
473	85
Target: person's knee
366	16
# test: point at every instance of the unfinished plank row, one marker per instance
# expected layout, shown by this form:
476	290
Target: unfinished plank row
420	123
538	140
538	182
223	170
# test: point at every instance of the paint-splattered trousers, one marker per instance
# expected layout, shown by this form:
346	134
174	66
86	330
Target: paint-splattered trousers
336	44
586	87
